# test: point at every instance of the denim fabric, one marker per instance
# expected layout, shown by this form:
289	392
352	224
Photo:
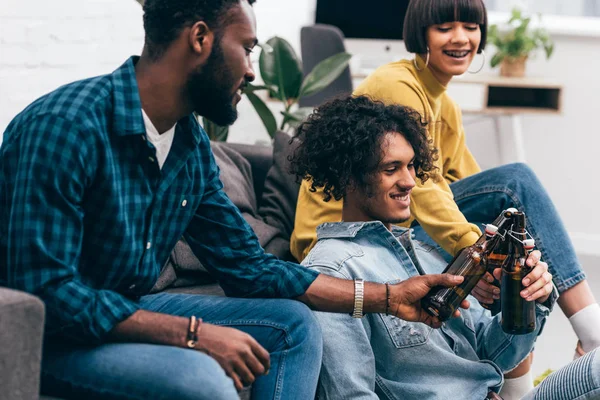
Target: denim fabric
483	196
286	328
579	380
386	357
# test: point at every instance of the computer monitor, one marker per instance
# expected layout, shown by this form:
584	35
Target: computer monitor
360	19
373	28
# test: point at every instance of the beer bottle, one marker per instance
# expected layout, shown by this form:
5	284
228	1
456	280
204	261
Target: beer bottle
518	314
443	301
499	252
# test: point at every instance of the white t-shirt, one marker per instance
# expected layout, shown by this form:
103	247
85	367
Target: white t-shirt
162	142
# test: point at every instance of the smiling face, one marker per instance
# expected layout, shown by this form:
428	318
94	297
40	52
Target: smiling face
452	46
388	198
215	88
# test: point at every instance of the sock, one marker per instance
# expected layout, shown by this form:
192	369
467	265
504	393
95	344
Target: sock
516	388
586	324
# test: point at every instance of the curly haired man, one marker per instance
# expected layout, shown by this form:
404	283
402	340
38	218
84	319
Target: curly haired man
369	155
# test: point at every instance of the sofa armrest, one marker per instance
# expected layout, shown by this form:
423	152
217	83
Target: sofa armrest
21	332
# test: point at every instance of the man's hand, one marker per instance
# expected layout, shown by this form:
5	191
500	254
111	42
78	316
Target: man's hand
405	297
242	358
538	283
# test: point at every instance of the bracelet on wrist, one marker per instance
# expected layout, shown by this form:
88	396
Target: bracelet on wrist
192	332
359	297
387	299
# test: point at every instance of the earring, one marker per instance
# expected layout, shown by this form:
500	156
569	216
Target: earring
426	62
482	64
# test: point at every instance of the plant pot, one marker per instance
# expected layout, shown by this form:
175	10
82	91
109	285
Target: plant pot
513	67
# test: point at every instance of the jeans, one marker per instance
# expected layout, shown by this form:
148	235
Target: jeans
286	328
579	380
483	196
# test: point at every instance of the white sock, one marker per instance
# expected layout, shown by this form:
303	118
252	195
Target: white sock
515	388
586	324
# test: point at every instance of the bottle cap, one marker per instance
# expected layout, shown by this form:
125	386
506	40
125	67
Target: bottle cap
491	229
512	210
529	244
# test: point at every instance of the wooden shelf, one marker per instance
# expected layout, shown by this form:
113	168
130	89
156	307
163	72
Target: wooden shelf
488	94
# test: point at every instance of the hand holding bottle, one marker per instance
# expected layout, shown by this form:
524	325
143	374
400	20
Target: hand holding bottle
485	291
538	283
405	297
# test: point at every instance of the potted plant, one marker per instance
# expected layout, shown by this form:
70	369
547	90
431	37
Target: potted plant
281	71
515	42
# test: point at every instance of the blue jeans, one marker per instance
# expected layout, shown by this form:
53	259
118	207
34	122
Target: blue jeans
483	196
286	328
579	380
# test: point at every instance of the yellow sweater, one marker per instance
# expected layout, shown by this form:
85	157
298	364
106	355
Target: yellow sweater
432	203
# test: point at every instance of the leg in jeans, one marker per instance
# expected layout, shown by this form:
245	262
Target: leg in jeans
132	371
286	328
579	380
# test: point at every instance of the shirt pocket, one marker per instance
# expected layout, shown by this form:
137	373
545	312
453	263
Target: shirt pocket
405	334
179	208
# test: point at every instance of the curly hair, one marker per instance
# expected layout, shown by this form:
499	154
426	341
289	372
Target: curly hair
165	19
341	144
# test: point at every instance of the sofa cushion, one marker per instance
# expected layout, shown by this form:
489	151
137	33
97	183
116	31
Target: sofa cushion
280	195
236	175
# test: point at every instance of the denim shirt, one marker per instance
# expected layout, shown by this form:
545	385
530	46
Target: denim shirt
385	356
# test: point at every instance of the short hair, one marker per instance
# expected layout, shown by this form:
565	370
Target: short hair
341	144
421	14
165	19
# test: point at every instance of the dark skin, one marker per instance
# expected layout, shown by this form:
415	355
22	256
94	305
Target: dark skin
162	85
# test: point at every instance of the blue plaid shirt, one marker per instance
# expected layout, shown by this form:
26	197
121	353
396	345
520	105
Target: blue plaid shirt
88	219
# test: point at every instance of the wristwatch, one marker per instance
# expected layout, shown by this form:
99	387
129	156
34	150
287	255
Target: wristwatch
359	298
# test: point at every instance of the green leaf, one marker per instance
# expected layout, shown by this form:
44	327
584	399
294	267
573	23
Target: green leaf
263	112
281	67
215	132
324	73
549	48
254	88
294	119
496	59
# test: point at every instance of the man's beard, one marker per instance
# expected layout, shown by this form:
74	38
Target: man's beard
209	90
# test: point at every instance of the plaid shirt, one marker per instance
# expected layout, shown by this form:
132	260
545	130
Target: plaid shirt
88	219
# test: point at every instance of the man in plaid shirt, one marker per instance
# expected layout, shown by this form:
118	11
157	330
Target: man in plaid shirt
98	181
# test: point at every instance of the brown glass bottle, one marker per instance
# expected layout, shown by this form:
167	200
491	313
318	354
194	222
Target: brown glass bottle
442	301
499	252
518	314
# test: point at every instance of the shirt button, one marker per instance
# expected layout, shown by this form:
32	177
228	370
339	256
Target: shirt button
184	203
148	245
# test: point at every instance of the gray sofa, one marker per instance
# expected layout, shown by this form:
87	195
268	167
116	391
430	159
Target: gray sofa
254	177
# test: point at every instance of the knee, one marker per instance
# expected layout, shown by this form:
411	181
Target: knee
518	173
304	327
200	377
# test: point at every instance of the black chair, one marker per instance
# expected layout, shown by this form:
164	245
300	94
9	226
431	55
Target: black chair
317	43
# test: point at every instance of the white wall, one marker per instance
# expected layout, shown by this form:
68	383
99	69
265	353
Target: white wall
46	44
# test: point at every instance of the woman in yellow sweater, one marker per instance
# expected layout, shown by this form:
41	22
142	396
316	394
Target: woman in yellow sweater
446	35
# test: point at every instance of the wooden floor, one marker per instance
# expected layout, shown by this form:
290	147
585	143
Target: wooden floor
556	345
